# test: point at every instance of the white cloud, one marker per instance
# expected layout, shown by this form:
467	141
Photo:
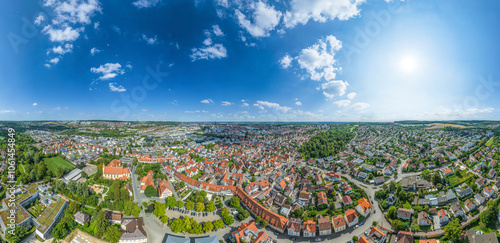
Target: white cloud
360	106
245	104
217	30
461	113
150	40
39	19
207	101
265	19
286	61
320	10
67	34
298	103
217	51
207	41
108	70
266	104
145	3
118	88
319	59
96	25
343	103
62	49
351	95
226	103
35	104
144	110
6	111
94	51
54	60
334	88
128	66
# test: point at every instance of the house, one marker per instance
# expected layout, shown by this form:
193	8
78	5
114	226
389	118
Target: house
447	172
264	184
469	205
164	189
114	170
473	236
479	199
377	235
363	239
50	216
133	231
281	185
324	226
332	176
351	217
487	192
496	186
279	200
81	217
368	167
253	187
347	200
443	217
309	228
457	210
294	227
461	192
492	173
246	230
362	176
363	207
322	198
414	183
317	179
388	171
404	237
339	223
379	180
423	219
480	182
114	217
391	199
404	214
147	181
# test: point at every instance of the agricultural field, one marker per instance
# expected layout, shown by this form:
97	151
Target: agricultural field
443	125
55	162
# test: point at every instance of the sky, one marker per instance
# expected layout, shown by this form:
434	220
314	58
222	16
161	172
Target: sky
250	60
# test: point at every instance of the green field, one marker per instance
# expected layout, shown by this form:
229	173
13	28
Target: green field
455	180
55	162
490	143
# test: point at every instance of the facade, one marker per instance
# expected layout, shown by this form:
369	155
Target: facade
294	227
351	217
309	228
164	189
363	207
339	223
133	231
115	171
325	226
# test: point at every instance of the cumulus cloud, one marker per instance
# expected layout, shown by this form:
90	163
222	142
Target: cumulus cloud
319	59
67	34
286	61
35	104
320	10
54	60
145	3
468	112
217	30
114	88
226	103
298	103
94	51
108	70
342	103
334	88
6	111
360	106
265	19
207	101
245	104
62	49
266	104
351	95
39	19
150	40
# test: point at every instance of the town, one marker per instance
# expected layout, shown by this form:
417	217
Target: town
105	181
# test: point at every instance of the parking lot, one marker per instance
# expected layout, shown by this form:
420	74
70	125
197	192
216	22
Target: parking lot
199	216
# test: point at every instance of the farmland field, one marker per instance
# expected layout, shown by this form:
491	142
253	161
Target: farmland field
54	162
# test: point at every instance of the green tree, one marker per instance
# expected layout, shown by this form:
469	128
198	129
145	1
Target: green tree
218	224
229	220
210	206
60	230
180	204
190	205
235	202
151	191
176	225
113	234
171	202
101	223
391	212
159	209
453	230
208	226
200	206
263	223
355	238
224	212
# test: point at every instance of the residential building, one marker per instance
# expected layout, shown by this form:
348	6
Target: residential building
309	228
339	223
133	231
324	226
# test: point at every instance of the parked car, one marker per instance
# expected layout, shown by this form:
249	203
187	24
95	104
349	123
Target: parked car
361	223
317	239
366	233
292	239
356	226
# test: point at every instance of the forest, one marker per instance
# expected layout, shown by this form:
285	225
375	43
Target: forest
327	143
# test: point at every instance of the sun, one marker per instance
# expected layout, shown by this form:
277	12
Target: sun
408	64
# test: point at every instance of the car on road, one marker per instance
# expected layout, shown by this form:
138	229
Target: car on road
371	227
372	201
366	233
276	233
317	239
356	226
360	224
293	238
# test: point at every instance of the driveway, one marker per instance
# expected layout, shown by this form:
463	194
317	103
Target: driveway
437	225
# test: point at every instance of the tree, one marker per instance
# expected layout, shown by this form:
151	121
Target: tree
263	223
113	234
229	220
164	219
203	193
176	225
208	226
189	205
159	209
101	223
200	206
151	191
218	224
211	206
436	178
235	201
453	230
171	202
391	212
180	204
355	238
60	230
224	212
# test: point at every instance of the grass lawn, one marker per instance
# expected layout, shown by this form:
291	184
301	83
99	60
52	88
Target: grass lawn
55	162
455	180
489	143
88	210
483	228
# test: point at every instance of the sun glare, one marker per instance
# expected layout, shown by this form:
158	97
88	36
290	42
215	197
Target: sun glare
408	64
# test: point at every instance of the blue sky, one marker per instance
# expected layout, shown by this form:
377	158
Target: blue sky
250	60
